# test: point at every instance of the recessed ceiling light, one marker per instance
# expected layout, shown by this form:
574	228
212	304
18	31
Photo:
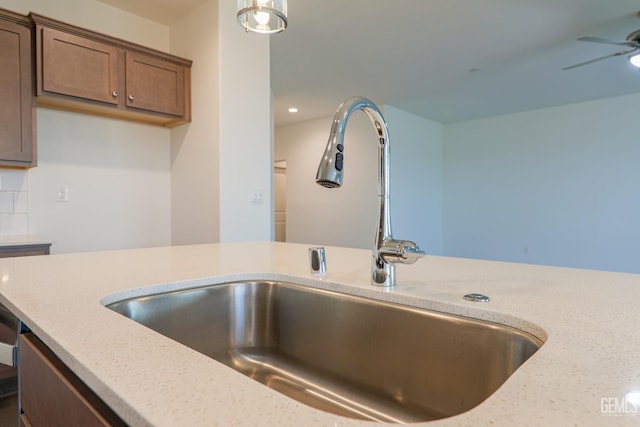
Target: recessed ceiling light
293	110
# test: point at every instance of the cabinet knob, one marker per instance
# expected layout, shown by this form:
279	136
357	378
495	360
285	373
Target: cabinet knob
131	98
114	93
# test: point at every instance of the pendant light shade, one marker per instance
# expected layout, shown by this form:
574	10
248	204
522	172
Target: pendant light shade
263	16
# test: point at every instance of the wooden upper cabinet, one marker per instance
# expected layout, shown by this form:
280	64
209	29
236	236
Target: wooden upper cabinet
88	72
154	84
17	109
75	66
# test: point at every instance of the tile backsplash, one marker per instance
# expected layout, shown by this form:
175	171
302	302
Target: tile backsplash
14	203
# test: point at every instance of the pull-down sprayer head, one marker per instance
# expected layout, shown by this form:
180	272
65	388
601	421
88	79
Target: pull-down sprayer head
330	169
332	163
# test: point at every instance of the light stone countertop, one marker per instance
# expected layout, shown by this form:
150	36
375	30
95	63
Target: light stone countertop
588	318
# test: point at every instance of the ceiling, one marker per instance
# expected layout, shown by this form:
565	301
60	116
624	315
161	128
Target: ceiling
162	11
447	60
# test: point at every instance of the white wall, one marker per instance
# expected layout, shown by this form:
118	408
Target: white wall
556	186
553	186
224	155
117	172
244	130
347	216
118	178
195	173
98	17
416	178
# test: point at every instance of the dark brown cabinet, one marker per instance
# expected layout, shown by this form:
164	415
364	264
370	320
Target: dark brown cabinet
17	109
51	394
29	249
61	66
74	66
154	84
9	336
84	71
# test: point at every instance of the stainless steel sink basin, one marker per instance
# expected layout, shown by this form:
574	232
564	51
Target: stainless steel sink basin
351	356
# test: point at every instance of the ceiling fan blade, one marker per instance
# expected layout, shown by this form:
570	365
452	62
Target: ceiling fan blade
623	52
607	41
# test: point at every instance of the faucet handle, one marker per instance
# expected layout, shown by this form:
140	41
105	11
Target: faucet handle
411	252
404	251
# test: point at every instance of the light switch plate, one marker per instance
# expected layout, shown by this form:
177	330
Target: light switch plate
62	195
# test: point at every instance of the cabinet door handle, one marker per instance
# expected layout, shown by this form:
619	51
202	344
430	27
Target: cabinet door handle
131	98
114	93
7	354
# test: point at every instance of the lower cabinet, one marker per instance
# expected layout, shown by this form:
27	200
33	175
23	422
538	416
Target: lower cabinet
24	250
52	395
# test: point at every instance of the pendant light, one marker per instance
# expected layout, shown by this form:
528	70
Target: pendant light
263	16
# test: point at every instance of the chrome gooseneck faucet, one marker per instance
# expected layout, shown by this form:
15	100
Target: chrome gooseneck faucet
386	250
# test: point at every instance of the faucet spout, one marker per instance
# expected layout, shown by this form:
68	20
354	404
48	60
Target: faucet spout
386	251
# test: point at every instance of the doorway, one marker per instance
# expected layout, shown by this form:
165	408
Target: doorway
280	200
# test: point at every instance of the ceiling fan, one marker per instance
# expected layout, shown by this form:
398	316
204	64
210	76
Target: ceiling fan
632	42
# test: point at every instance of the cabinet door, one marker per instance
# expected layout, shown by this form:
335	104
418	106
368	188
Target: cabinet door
51	395
154	84
78	67
16	89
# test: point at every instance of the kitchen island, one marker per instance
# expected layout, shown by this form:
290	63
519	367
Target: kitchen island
582	374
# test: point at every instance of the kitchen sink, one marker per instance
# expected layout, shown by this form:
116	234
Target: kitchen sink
348	355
